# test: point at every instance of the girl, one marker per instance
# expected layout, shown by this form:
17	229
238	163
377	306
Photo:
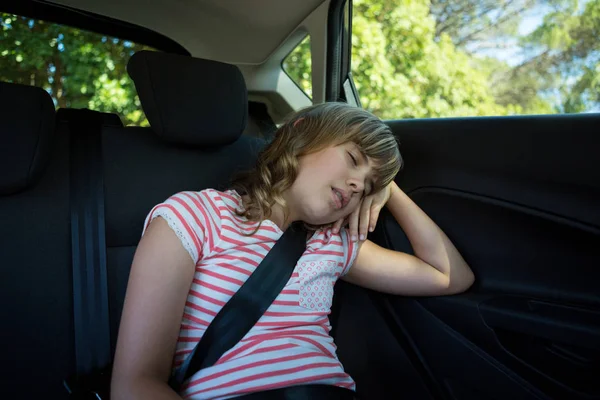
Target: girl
331	166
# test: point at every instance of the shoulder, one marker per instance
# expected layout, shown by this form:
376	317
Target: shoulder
207	203
196	217
338	246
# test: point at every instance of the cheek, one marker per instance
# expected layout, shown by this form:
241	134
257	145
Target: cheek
317	172
331	166
326	167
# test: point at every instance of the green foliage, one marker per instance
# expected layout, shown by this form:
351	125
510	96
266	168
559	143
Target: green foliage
421	58
410	59
401	71
79	69
569	55
298	66
478	22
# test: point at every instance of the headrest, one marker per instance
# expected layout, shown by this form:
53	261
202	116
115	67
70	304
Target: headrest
26	134
189	100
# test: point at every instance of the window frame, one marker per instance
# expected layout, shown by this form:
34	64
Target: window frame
92	22
335	52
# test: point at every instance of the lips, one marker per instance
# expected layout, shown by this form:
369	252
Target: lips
340	198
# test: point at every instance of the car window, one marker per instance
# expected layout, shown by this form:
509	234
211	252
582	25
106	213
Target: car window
422	59
298	66
80	69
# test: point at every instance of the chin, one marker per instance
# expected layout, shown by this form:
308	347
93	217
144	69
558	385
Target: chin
322	216
322	221
318	220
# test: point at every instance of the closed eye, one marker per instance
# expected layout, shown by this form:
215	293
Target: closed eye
353	159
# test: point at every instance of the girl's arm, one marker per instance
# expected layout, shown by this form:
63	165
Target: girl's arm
436	269
160	279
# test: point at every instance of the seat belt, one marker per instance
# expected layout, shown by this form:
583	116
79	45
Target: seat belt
88	243
246	306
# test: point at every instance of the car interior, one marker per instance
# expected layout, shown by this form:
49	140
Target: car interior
518	195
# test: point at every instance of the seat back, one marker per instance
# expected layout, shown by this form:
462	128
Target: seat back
197	111
35	247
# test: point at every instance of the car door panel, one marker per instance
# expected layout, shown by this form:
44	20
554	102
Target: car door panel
374	351
520	199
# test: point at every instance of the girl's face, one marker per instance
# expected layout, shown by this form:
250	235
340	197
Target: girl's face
330	184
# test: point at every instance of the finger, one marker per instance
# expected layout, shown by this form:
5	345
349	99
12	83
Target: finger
353	224
374	217
338	225
365	216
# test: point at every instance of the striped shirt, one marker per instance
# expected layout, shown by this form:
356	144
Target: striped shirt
290	344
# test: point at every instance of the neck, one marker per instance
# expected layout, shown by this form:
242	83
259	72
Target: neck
278	214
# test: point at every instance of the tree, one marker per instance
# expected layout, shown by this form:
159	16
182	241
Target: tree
79	69
410	59
298	66
519	91
477	24
421	58
402	70
560	62
567	55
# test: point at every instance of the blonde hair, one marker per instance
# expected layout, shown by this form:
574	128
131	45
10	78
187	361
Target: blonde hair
307	131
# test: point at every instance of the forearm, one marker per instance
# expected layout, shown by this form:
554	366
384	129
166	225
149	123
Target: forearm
428	241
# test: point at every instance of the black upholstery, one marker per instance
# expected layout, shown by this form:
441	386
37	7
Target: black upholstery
140	171
35	254
194	143
189	100
142	167
26	134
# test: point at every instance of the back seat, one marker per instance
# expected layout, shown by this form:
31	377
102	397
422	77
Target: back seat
197	111
35	247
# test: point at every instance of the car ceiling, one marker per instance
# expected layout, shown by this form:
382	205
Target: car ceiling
233	31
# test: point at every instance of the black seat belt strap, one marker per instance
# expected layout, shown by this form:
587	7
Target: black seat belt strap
88	246
246	306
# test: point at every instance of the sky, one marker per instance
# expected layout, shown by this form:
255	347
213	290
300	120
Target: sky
532	18
508	50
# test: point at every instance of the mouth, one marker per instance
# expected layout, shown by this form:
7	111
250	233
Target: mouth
340	198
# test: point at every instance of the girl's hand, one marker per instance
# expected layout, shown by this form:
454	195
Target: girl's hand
364	218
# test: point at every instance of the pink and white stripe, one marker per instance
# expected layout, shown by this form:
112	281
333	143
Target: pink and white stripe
290	344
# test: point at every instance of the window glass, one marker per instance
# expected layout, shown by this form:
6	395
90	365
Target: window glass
298	66
435	58
79	69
